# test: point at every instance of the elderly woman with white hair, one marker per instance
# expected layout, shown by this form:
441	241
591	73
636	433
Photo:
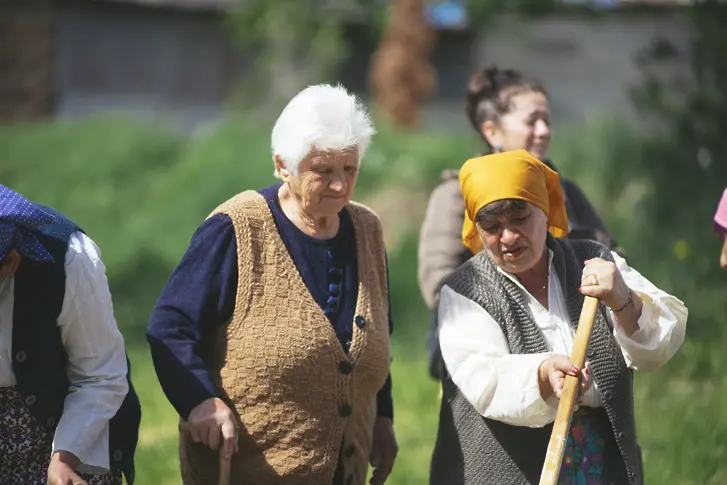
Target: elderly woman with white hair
271	337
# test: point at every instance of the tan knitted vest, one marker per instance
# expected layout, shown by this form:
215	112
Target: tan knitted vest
282	368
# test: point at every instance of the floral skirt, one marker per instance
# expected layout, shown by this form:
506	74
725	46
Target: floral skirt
25	446
586	452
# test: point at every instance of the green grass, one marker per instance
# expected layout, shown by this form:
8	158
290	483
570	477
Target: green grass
140	192
156	458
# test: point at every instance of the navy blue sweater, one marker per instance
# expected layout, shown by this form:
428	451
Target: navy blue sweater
200	296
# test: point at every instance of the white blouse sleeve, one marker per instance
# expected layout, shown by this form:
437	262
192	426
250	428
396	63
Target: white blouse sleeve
500	385
96	358
662	324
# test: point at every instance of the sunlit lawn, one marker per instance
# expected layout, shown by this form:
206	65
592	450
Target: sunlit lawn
140	192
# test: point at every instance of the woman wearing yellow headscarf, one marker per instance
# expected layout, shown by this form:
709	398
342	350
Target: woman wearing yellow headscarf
508	319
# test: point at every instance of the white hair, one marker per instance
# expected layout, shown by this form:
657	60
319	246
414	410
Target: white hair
321	117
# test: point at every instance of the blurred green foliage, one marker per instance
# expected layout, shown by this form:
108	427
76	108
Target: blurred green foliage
140	191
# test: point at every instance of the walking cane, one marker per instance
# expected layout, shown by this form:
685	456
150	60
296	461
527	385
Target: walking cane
561	426
224	462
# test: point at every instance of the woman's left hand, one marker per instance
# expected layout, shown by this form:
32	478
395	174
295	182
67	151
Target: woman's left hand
383	450
602	279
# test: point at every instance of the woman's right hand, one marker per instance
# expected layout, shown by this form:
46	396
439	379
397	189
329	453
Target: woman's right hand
61	470
552	372
211	419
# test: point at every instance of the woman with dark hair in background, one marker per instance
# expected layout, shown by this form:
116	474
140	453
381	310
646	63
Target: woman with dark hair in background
511	112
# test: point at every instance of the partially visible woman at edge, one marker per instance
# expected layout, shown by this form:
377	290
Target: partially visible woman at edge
720	227
511	112
508	320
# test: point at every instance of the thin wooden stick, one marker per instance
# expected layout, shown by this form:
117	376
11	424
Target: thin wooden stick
561	426
225	463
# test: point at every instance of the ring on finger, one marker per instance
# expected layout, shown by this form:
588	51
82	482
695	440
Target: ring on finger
592	280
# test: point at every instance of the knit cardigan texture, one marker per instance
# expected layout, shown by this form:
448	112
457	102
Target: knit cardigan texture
301	401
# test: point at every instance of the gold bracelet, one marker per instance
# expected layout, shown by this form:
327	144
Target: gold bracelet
630	300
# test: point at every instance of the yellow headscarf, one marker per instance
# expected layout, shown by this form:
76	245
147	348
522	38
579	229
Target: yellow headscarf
510	175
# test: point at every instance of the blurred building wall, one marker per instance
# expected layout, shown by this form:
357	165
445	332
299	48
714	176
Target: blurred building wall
147	61
173	60
587	64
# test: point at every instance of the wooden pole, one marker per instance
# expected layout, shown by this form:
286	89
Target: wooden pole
561	426
225	463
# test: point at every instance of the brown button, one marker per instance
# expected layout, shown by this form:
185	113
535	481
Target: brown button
345	367
345	410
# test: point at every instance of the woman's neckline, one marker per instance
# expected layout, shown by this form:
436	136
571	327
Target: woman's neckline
315	240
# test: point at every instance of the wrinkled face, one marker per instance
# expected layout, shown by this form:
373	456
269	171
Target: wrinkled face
325	181
526	126
515	241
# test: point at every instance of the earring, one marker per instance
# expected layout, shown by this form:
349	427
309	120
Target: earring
498	149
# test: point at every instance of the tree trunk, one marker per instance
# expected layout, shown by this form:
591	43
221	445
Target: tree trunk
402	75
27	49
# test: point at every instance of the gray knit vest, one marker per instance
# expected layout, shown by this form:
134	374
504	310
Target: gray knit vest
473	450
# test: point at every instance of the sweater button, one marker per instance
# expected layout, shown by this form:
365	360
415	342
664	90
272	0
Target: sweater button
360	322
345	410
118	455
622	435
349	480
21	356
345	367
30	400
350	450
50	422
